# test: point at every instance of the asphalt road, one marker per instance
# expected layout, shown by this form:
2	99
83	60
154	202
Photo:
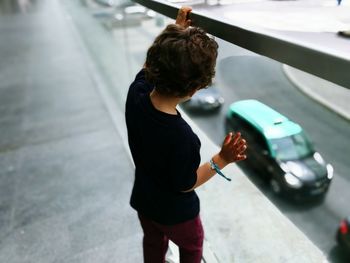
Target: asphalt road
244	75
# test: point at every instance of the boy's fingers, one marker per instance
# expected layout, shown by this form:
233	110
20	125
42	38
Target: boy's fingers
241	157
241	143
186	9
236	138
241	148
228	138
182	16
183	11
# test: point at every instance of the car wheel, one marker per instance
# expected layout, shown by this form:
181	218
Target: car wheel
275	186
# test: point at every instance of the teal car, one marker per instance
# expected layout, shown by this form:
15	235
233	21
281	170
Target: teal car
280	149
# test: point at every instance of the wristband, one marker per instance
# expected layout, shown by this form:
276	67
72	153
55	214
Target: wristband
215	167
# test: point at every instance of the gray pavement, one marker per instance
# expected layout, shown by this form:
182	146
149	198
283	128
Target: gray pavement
65	174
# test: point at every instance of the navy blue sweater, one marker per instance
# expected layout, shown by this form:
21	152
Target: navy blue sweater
166	155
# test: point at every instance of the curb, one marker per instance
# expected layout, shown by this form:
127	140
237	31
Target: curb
288	71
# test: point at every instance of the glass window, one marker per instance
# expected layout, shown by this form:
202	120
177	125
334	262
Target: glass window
292	147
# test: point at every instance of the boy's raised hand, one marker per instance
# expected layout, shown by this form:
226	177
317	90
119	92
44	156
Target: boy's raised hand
233	148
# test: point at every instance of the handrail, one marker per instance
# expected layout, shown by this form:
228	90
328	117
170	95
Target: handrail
324	55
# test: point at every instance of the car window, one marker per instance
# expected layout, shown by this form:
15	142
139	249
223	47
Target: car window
292	147
260	142
252	135
238	124
234	122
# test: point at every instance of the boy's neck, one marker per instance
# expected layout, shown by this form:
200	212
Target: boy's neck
163	103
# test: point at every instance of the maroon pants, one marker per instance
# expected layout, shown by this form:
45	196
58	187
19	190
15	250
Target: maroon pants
188	236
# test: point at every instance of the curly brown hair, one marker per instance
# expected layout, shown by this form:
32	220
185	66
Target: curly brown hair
181	60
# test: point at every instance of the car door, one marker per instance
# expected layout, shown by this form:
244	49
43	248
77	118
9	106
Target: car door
237	123
261	153
258	154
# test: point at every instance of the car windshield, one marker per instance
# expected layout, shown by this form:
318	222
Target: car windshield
292	147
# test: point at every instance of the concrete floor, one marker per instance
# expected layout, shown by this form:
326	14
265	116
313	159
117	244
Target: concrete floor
65	176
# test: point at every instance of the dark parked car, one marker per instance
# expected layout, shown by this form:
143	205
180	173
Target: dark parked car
343	233
208	99
280	150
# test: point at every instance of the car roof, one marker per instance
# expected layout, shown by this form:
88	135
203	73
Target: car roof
269	122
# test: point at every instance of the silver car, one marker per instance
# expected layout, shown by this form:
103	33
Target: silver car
208	99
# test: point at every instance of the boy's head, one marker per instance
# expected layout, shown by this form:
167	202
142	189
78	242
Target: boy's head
181	60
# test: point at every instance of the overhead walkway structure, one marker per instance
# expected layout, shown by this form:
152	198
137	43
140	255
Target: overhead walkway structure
65	169
301	34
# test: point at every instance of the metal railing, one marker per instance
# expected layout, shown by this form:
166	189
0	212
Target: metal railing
322	54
